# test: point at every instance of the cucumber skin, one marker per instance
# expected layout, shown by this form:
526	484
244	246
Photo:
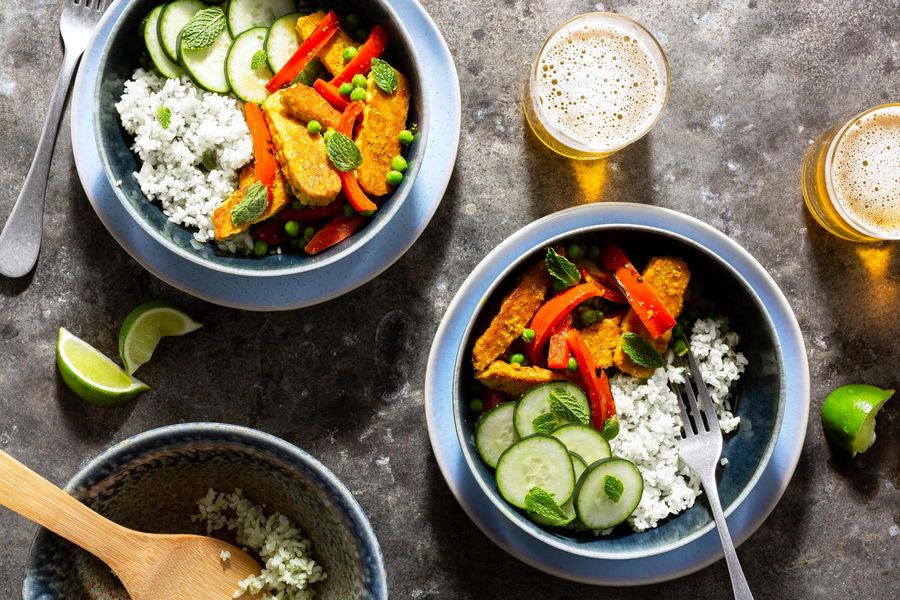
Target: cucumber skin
593	431
272	67
197	81
234	90
177	71
584	477
526	428
177	59
537	435
484	417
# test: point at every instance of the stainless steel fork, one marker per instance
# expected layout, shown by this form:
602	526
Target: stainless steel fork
701	448
20	240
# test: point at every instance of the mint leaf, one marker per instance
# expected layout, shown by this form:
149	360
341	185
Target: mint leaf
568	407
254	204
384	75
640	351
562	269
610	428
343	153
613	487
258	60
203	29
165	116
545	423
541	502
209	161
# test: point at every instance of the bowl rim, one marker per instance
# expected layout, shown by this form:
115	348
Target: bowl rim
154	438
648	218
357	241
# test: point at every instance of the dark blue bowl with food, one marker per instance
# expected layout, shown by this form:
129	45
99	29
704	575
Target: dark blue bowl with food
226	133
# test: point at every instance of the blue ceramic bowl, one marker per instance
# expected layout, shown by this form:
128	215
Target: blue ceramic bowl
122	55
151	482
759	397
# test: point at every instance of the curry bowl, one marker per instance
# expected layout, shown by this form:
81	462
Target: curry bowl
776	375
124	52
152	483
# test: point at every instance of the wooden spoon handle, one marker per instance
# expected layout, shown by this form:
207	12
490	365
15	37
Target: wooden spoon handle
27	493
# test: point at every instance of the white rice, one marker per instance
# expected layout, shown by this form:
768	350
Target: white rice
172	170
289	569
650	421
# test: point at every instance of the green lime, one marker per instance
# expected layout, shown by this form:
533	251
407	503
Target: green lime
848	416
92	375
145	326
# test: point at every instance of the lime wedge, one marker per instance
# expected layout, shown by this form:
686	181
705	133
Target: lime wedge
92	375
145	326
848	416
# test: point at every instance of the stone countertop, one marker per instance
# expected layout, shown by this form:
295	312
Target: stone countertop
752	83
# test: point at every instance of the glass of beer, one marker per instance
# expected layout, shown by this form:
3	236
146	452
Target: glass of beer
851	177
598	84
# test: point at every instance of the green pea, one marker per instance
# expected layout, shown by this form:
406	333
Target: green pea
589	316
366	213
528	335
358	94
573	364
345	89
407	137
394	177
359	81
575	251
260	248
517	359
296	205
398	163
677	331
593	252
476	405
558	286
328	134
308	233
314	127
352	21
349	211
292	228
350	53
680	347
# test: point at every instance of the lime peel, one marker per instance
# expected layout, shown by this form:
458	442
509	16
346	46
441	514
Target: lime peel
92	375
848	416
145	326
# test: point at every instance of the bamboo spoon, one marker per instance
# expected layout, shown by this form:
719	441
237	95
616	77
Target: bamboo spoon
150	566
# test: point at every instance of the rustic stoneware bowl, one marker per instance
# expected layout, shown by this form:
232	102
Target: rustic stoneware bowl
151	482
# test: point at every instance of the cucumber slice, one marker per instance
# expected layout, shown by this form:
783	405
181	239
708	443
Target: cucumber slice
595	508
247	83
578	467
536	402
537	461
495	433
283	41
175	15
206	66
585	441
247	14
154	49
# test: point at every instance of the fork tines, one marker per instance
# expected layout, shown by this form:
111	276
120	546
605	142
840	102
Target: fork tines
696	421
98	5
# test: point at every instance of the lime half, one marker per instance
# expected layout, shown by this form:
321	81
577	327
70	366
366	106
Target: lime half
92	375
848	416
145	326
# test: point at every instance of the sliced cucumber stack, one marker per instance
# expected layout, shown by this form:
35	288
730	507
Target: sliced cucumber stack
206	66
539	461
569	507
607	493
175	15
149	31
247	83
283	41
584	441
536	402
247	14
495	433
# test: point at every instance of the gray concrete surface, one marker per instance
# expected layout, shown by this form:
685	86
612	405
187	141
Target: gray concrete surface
753	83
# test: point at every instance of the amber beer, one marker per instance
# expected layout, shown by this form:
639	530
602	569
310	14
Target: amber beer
851	177
599	83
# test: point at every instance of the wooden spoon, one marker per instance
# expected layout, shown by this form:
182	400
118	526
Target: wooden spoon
150	566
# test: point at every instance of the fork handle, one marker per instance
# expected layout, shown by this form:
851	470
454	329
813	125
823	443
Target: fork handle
20	240
738	581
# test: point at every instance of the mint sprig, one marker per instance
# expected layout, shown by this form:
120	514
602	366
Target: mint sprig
568	408
545	423
165	116
258	60
254	204
203	29
613	487
541	503
384	75
640	351
343	153
561	268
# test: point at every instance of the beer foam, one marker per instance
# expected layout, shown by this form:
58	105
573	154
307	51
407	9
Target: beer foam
865	171
599	82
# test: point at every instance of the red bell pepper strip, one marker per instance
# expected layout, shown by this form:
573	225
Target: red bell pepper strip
307	51
357	198
334	232
315	213
555	310
643	300
608	281
492	399
331	94
362	63
603	406
265	164
558	352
